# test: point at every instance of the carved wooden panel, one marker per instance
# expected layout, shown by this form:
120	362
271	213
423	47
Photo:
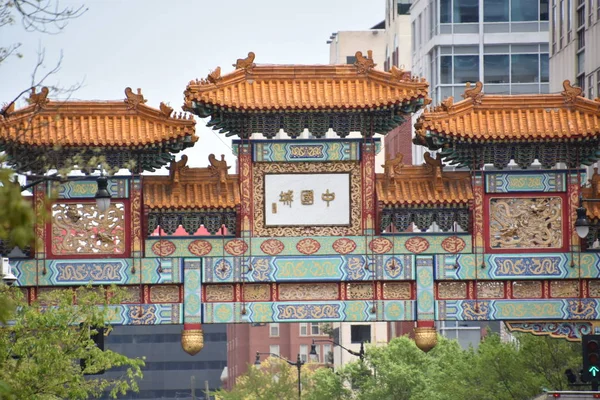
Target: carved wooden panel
526	223
452	290
397	290
527	289
308	291
359	291
79	229
219	293
564	288
257	292
164	294
490	290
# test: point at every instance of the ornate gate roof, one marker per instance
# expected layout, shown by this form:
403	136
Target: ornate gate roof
266	98
501	120
139	132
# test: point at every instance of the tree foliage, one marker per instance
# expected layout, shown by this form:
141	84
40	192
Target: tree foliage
275	379
41	347
496	370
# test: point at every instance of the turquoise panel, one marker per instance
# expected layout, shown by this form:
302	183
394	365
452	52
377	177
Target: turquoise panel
86	189
97	271
519	266
322	311
506	182
491	310
151	314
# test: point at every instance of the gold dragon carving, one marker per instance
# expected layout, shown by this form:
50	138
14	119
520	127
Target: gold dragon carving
526	223
396	290
82	229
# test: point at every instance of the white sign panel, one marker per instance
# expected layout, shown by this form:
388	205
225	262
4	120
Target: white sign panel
307	199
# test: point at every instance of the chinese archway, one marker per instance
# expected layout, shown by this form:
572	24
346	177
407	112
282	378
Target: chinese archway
305	229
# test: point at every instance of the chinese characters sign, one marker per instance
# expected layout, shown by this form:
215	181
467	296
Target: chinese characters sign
307	199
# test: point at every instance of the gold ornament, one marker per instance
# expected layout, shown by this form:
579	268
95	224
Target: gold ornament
425	338
192	341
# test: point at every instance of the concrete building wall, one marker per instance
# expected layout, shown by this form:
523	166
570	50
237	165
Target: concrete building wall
575	40
345	44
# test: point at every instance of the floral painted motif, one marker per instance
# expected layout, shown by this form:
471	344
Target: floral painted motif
453	244
393	267
308	246
236	247
344	246
380	245
200	247
272	247
416	244
163	248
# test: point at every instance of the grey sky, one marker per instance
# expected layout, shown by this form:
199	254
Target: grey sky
159	46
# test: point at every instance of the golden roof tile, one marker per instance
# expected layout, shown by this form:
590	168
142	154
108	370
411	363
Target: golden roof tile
480	117
128	123
422	185
254	87
192	188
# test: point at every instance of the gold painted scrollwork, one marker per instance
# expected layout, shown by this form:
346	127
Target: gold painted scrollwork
82	229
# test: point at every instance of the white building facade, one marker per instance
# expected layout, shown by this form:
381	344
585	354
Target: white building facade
502	43
575	45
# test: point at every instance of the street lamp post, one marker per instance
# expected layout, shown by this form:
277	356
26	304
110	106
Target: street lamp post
298	364
360	354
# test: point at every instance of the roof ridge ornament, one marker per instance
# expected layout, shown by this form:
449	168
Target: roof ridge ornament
398	73
571	92
165	110
39	99
7	109
435	167
475	93
132	99
364	64
448	104
214	76
391	168
246	63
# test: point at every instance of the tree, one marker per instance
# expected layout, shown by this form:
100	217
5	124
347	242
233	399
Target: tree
41	347
275	379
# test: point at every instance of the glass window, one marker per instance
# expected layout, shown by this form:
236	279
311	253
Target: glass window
445	11
544	10
561	22
544	68
569	17
524	68
327	354
360	333
315	328
591	86
304	352
274	329
466	11
466	69
303	329
524	10
495	11
274	349
446	69
496	69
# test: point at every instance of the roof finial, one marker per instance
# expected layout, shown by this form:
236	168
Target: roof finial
364	64
246	63
214	76
38	99
133	99
571	92
474	93
165	110
398	73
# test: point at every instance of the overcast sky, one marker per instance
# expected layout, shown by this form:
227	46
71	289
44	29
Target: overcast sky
159	46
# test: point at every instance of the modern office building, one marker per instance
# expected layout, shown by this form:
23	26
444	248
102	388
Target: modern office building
501	43
170	373
575	44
